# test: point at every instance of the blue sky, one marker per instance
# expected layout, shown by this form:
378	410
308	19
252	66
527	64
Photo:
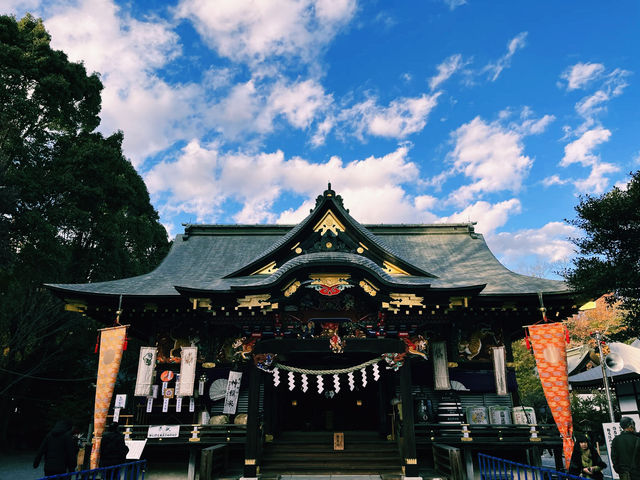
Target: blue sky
417	111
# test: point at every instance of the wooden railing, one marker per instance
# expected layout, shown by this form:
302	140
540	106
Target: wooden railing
204	434
429	433
447	461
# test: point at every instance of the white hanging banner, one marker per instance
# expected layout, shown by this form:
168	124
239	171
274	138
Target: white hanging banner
178	404
201	387
376	372
121	400
292	381
149	404
146	367
364	377
233	392
336	383
187	376
192	404
276	377
165	385
165	405
498	355
304	382
320	383
440	366
155	391
352	383
116	415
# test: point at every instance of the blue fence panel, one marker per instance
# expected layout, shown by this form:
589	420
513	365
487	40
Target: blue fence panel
125	471
494	468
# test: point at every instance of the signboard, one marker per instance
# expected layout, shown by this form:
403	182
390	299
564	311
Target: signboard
135	448
164	431
233	392
611	430
121	400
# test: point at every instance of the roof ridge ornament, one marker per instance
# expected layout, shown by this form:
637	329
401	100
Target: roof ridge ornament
329	193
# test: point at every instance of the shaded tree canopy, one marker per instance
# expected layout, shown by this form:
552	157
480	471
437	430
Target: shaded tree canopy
72	209
609	251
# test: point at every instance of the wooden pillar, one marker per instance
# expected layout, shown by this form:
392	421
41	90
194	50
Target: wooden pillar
252	446
409	456
383	401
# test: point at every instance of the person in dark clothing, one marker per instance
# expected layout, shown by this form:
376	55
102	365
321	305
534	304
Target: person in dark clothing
625	451
113	450
585	460
59	450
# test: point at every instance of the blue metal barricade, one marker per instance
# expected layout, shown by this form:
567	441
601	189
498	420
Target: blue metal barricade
493	468
125	471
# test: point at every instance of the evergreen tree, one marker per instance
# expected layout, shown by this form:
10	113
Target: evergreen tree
72	209
609	251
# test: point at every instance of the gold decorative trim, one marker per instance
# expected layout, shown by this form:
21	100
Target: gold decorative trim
363	245
291	288
329	279
360	250
392	269
296	245
267	269
411	461
458	302
251	301
201	303
329	223
399	300
369	287
75	307
249	461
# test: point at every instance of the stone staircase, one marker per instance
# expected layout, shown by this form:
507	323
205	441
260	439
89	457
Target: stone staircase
311	453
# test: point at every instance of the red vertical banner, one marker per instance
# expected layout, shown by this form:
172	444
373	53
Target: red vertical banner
111	345
550	352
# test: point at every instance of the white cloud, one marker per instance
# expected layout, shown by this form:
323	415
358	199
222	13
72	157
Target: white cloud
252	31
447	68
554	180
492	156
203	178
453	4
549	243
495	69
488	216
403	116
581	74
597	181
580	150
127	52
298	102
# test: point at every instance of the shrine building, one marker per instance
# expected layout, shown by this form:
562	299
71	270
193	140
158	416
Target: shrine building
328	346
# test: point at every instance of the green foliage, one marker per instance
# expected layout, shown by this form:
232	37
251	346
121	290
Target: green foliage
529	386
589	411
72	209
609	260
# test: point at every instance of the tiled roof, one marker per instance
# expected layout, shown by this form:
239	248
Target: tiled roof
454	253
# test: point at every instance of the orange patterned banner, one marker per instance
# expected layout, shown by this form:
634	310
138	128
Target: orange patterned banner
550	351
111	344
